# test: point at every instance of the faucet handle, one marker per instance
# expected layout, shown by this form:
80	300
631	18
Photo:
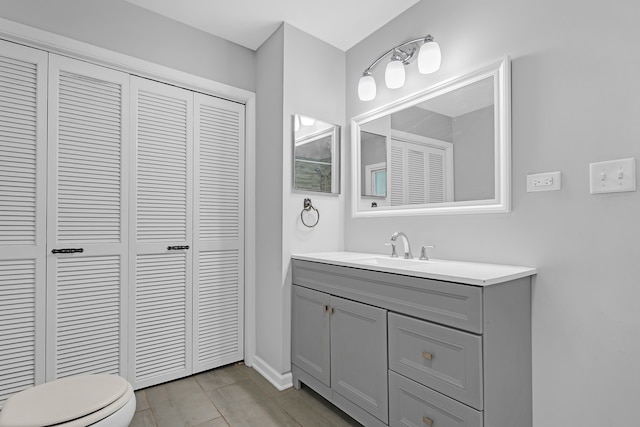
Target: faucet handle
423	252
394	254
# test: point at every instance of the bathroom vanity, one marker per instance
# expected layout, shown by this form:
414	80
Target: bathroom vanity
414	343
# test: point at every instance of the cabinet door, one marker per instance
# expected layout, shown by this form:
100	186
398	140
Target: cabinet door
87	205
218	241
23	137
359	355
161	244
310	342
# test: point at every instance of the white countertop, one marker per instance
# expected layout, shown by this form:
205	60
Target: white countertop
471	273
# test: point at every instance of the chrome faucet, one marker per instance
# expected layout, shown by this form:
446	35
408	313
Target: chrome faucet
405	240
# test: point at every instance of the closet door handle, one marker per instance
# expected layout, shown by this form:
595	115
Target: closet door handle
177	248
67	251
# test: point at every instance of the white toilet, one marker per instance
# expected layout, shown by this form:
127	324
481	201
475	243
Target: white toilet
99	400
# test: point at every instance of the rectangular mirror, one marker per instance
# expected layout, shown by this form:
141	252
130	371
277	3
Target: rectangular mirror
445	149
316	155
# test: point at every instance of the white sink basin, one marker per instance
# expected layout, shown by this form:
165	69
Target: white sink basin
393	262
454	271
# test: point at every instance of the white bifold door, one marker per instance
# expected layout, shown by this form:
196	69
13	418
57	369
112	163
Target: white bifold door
186	248
162	251
87	234
121	224
23	138
218	232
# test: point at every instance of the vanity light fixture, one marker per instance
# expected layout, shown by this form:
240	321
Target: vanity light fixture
302	120
429	58
307	121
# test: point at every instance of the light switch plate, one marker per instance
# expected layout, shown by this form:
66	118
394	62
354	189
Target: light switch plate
613	176
548	181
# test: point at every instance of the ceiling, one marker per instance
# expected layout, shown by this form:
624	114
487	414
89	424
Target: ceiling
341	23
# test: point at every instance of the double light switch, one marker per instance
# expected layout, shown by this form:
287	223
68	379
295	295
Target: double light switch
613	176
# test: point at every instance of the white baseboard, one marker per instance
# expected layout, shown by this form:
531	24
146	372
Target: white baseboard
279	381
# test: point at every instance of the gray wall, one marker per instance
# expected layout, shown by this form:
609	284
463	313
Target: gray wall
314	86
269	166
575	68
298	74
473	155
132	30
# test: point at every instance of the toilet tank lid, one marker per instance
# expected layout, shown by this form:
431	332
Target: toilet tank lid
62	400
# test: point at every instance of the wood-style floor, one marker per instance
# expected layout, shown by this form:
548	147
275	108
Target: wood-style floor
234	396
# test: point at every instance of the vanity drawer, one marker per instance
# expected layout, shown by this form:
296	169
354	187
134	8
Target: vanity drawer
444	359
447	303
411	404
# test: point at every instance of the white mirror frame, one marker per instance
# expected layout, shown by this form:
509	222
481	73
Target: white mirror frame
501	73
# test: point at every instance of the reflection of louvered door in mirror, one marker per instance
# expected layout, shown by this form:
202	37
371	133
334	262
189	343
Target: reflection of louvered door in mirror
86	224
218	232
161	221
419	174
23	136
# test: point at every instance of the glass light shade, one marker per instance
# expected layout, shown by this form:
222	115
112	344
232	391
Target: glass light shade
429	58
394	75
366	88
307	121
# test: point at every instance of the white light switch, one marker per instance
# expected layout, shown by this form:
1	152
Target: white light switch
613	176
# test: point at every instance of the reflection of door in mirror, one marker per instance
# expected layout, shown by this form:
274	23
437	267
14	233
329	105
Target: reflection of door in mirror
421	170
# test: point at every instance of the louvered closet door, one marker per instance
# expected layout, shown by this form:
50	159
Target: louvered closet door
23	136
161	221
218	232
436	176
418	174
88	182
396	175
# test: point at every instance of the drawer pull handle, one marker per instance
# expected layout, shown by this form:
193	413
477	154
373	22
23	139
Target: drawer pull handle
428	421
428	356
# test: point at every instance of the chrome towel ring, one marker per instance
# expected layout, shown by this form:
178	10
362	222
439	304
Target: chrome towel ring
308	207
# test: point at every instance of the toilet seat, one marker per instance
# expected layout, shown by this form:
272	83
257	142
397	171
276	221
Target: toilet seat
75	401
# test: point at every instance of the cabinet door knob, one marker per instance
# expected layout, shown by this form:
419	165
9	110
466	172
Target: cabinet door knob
428	356
325	307
428	421
330	310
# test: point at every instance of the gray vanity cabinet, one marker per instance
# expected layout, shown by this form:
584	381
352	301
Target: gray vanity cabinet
342	344
400	350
